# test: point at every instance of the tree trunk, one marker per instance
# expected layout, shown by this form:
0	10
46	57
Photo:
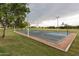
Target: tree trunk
4	32
14	27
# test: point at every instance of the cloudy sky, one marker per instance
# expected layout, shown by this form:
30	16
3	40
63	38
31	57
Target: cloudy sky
44	14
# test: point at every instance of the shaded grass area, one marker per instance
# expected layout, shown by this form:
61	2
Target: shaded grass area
14	44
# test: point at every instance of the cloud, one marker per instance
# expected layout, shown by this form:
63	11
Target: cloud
49	11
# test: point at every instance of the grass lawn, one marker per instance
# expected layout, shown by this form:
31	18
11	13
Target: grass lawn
14	44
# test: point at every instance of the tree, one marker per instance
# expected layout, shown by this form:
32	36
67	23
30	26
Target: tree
4	9
10	13
22	24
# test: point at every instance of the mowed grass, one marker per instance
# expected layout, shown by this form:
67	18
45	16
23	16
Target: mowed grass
17	45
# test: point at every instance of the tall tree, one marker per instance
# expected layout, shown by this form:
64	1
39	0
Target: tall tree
11	13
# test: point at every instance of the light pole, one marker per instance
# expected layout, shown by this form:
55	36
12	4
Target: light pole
57	22
66	26
28	28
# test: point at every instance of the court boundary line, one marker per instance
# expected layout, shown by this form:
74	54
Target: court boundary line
59	46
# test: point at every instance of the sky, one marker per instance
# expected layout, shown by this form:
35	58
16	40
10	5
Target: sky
44	14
